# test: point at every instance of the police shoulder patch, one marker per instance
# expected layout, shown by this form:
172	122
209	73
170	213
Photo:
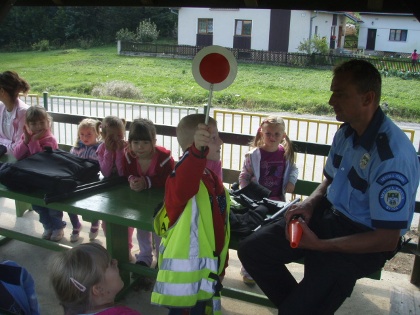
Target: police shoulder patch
401	178
392	198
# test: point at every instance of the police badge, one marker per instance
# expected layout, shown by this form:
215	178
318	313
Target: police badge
364	160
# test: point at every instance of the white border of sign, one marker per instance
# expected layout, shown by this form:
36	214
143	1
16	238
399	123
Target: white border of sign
219	50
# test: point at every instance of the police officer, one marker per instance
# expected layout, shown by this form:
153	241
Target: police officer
353	222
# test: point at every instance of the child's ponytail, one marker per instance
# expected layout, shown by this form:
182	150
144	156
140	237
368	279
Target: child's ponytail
288	149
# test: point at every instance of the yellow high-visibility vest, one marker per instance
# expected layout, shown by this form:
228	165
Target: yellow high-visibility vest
188	268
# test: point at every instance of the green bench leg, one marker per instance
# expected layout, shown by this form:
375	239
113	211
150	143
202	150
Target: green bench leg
117	246
4	240
21	207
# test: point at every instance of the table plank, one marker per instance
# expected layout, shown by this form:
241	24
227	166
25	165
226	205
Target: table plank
117	204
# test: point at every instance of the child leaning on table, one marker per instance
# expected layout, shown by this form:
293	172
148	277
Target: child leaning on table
36	137
193	253
111	155
87	143
86	280
147	166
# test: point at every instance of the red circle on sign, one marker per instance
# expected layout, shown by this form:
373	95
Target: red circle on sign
214	68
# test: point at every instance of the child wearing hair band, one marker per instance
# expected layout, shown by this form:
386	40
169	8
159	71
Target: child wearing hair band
147	166
85	147
270	163
86	280
111	156
36	136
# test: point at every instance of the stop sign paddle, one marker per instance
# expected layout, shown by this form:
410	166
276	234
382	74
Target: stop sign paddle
214	68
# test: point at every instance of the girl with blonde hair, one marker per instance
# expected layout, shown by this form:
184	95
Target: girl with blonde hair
270	163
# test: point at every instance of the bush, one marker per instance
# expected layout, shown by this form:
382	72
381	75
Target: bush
146	32
125	35
85	43
317	45
42	45
118	89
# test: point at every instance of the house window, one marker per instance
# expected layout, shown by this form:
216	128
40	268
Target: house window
205	26
243	27
398	35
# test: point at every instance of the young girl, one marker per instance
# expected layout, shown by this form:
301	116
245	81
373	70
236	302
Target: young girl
86	280
270	163
111	155
85	147
12	109
36	136
146	165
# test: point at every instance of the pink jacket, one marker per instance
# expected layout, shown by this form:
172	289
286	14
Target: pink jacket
119	310
23	150
18	122
110	161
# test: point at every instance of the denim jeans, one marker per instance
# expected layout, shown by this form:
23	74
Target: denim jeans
50	219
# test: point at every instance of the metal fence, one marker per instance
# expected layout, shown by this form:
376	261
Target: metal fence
30	99
158	113
302	129
384	62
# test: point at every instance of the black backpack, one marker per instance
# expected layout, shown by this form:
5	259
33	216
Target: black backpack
50	171
243	224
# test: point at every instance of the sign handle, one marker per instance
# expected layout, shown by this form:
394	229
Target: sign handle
206	121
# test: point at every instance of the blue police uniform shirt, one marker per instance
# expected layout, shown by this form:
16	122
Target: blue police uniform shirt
374	176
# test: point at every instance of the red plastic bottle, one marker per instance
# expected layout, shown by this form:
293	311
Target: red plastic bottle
295	232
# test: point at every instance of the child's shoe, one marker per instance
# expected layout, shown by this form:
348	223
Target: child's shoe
246	277
143	282
47	234
57	235
74	237
93	233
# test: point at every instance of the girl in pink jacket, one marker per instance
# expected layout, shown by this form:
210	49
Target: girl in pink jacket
110	156
86	280
36	137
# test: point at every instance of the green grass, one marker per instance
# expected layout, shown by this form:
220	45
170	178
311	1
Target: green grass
74	72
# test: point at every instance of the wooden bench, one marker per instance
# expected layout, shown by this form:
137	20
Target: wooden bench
136	218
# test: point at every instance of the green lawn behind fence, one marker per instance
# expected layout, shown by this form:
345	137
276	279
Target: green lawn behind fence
76	72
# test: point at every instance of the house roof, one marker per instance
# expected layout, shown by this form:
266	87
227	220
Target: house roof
386	6
350	15
387	13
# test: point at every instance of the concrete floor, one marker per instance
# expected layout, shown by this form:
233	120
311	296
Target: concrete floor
369	296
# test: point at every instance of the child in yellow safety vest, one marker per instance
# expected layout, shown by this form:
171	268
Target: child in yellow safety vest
194	225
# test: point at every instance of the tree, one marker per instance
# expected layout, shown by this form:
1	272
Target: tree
25	26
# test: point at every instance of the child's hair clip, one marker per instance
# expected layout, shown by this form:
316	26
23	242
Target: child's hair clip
78	285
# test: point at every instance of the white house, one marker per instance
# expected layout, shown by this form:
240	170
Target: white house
389	32
259	29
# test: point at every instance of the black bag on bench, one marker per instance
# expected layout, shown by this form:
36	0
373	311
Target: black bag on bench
50	171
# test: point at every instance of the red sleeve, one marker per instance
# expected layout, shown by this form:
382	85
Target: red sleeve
128	165
164	168
184	182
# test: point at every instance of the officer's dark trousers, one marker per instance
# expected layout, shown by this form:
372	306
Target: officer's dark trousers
329	278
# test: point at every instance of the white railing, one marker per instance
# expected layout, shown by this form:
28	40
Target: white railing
158	113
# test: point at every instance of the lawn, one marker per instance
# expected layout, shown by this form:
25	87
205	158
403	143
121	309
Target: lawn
75	72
